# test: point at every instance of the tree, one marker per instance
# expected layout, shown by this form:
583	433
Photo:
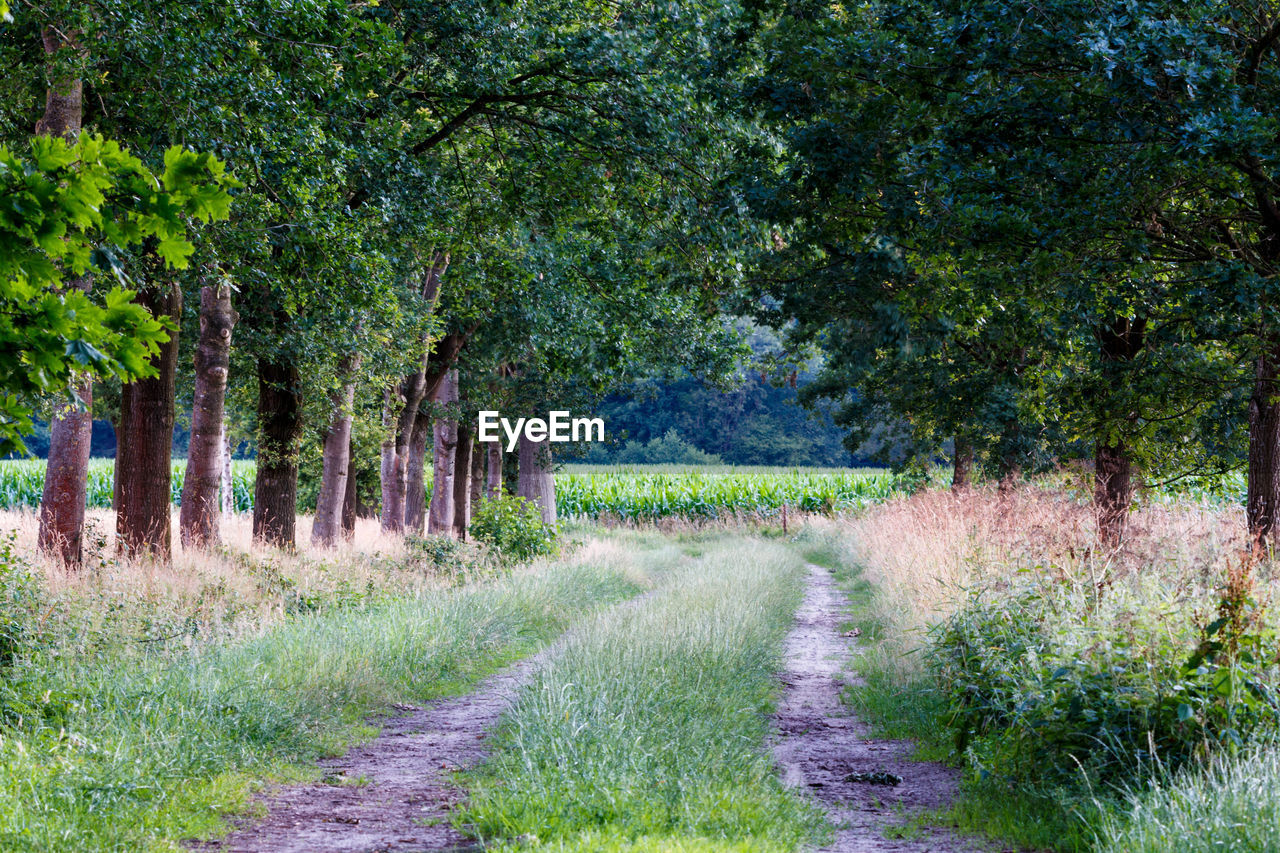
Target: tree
991	195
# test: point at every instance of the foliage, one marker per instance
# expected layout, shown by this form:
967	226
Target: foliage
21	600
513	527
67	211
670	449
1028	704
636	494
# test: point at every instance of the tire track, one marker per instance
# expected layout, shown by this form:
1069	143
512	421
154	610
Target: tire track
823	748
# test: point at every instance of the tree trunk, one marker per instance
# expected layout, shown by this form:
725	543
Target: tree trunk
536	482
389	473
350	499
415	499
477	476
1119	342
199	516
1112	490
445	448
228	483
67	472
962	465
1264	451
66	477
493	482
145	466
402	403
462	482
275	491
336	459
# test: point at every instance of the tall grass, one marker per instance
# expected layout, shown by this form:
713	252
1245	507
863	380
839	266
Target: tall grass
118	743
1233	804
648	731
1054	670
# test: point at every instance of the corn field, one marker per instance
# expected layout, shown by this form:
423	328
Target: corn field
642	494
629	493
22	482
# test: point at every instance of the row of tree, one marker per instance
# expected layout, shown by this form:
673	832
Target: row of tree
1018	234
411	210
1036	232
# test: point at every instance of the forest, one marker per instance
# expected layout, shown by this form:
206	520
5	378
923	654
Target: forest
274	257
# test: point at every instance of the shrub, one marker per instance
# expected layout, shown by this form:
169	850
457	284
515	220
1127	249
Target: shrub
513	527
1044	686
670	449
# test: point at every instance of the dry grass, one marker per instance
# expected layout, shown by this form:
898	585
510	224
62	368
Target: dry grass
242	585
922	553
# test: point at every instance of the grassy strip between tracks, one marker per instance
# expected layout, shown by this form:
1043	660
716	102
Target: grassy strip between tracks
649	731
123	746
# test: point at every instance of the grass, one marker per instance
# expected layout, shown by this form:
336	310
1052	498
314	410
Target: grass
911	565
111	742
648	730
1233	804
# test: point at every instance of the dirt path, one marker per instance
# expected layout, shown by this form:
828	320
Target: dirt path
394	793
821	744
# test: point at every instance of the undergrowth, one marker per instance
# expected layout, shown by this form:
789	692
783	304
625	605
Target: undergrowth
1095	700
112	740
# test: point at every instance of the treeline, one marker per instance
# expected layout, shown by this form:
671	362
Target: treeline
685	421
1031	233
1022	234
342	228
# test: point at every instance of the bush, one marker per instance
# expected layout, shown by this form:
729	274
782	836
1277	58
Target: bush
1044	686
671	449
20	601
513	527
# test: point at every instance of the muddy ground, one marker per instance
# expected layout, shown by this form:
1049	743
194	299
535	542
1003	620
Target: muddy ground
822	747
394	793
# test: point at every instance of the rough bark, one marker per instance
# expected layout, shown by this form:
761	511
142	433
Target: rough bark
336	459
462	482
275	491
402	403
349	500
1119	342
67	472
415	501
962	465
66	476
536	481
144	459
227	485
1264	450
200	514
445	447
493	481
477	476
